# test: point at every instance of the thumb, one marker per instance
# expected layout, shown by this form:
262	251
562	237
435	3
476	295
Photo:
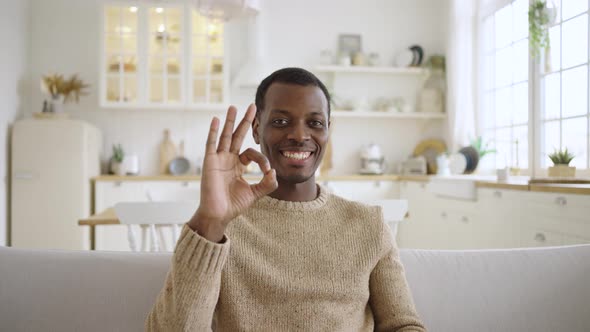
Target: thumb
267	185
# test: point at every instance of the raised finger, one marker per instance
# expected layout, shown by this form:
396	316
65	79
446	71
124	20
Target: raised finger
228	128
212	137
252	155
242	130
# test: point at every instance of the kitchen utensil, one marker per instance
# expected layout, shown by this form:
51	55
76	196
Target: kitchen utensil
179	165
430	149
418	55
404	58
415	165
472	157
372	160
167	152
457	163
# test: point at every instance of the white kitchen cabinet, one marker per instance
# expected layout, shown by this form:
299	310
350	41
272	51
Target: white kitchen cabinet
437	223
501	214
364	190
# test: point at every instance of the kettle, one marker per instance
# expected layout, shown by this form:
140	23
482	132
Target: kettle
372	160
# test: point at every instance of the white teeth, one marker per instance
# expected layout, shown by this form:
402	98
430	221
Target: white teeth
296	155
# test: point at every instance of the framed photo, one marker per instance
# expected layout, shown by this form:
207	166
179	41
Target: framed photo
349	44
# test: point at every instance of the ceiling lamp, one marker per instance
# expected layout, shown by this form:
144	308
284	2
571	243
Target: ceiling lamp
225	10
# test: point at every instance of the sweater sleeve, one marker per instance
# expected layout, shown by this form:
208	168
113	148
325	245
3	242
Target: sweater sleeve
191	290
390	298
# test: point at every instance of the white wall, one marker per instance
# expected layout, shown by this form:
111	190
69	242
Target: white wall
14	92
66	39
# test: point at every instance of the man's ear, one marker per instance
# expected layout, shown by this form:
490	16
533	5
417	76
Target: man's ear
255	125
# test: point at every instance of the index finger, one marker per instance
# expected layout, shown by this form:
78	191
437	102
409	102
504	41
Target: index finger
240	133
212	137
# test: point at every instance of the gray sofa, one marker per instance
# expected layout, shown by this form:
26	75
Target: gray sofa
545	289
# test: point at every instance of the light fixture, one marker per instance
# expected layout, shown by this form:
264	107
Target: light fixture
133	9
225	10
159	10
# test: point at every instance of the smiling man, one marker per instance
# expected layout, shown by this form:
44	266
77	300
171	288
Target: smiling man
301	258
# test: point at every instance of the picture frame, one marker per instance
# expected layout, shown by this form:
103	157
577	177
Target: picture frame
349	44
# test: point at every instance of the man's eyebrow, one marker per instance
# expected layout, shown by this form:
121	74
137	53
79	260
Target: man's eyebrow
279	111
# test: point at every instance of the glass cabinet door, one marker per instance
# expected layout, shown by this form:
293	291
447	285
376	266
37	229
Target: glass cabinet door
121	54
165	65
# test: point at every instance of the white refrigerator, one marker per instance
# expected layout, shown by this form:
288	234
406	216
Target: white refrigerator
53	161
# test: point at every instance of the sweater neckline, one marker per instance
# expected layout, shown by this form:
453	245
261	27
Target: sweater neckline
273	203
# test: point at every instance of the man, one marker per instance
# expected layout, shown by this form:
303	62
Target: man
300	258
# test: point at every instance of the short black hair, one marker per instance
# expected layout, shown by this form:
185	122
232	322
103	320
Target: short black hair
291	75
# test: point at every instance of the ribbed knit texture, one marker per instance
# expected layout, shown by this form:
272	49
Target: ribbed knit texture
325	265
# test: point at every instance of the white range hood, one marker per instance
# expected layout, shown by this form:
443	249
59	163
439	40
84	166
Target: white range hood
255	68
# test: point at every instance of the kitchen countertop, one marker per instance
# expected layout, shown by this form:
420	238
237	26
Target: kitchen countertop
520	183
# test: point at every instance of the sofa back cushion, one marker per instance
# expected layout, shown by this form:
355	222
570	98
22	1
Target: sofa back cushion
534	289
544	289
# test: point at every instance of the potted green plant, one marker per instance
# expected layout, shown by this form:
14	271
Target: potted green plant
561	160
481	147
541	15
117	160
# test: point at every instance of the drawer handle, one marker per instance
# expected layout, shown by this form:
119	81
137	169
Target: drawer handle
118	183
465	219
498	194
561	201
185	184
422	185
540	237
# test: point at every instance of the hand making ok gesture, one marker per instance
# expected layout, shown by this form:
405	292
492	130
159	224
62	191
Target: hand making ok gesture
224	193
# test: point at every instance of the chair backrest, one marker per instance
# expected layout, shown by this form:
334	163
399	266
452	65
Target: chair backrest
394	210
157	213
174	195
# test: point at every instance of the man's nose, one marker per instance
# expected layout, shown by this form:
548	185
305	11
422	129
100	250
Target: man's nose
299	132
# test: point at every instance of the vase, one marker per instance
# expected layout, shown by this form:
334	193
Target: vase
56	105
118	168
562	171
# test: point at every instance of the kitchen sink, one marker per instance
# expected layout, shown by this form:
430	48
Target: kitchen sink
455	186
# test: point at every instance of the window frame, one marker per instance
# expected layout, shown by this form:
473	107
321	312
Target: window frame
536	93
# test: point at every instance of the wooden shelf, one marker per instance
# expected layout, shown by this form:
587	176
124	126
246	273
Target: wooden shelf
393	115
372	70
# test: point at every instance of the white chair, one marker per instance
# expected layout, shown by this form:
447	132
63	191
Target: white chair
165	209
394	211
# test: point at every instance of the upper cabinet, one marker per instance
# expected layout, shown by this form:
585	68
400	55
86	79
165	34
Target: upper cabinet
161	55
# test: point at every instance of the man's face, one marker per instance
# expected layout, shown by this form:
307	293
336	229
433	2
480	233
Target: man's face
292	130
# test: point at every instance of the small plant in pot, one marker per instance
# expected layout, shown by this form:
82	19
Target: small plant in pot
117	160
561	160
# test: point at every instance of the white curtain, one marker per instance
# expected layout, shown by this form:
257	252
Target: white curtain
461	73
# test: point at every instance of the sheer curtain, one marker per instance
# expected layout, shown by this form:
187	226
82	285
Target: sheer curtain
461	73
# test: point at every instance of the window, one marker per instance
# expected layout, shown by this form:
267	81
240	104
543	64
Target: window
504	104
528	115
564	85
161	56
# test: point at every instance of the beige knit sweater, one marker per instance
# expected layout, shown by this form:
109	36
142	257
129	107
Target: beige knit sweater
325	265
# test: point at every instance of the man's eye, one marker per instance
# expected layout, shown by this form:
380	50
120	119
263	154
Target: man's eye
279	122
317	124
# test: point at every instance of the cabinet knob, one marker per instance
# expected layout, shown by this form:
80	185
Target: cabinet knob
443	215
118	183
540	237
184	184
422	185
465	219
561	201
498	194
